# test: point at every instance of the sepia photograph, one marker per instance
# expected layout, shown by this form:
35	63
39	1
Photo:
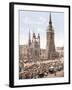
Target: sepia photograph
41	44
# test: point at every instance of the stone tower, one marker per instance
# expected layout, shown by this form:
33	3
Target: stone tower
36	47
51	52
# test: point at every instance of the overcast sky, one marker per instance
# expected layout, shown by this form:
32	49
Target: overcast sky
37	21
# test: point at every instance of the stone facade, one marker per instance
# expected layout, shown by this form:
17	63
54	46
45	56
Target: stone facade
34	48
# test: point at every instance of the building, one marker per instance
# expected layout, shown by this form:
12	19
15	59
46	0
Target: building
50	46
34	48
34	53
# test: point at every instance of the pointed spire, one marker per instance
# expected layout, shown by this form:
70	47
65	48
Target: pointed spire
34	35
38	36
29	38
50	21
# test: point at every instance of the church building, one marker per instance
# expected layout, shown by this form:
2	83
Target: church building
34	47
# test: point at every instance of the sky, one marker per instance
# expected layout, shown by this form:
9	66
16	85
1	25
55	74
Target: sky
38	22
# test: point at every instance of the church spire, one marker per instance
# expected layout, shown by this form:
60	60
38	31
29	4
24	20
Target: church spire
50	21
34	35
29	38
38	36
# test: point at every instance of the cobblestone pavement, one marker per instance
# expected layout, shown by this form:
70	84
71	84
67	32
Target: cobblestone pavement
58	74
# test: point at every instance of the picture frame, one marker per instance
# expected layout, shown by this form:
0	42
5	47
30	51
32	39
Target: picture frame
26	20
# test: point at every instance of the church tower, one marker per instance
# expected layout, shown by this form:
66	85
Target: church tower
38	39
50	46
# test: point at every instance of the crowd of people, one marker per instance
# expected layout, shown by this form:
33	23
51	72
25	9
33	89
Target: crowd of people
41	70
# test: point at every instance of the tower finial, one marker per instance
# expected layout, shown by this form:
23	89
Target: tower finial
50	21
34	35
38	35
